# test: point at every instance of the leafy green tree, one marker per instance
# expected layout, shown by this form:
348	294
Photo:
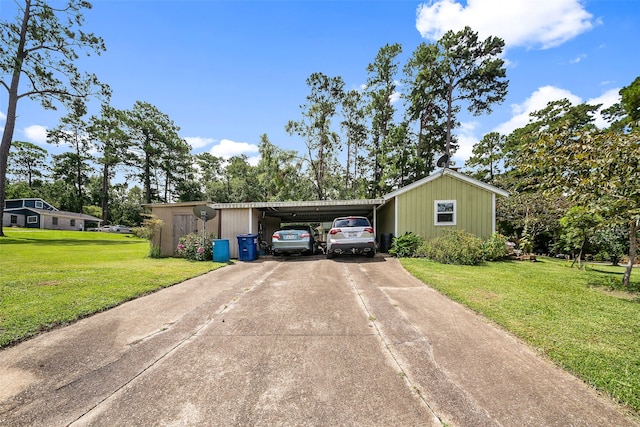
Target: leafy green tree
486	157
209	168
537	213
578	226
630	99
279	174
596	169
321	140
610	240
238	183
381	88
39	47
27	161
74	170
126	205
462	68
554	117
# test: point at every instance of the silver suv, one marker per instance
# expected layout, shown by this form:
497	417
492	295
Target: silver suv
351	235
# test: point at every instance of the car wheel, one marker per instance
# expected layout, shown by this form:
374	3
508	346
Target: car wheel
371	254
329	255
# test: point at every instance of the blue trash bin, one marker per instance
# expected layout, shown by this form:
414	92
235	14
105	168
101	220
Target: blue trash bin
247	247
221	250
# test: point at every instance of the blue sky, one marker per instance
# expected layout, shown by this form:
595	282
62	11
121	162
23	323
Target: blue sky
227	72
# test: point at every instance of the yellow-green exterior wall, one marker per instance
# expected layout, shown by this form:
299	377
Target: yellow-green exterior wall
474	208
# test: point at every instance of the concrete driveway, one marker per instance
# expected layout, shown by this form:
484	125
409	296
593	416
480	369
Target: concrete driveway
292	341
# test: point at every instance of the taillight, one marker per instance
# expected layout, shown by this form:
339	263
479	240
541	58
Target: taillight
335	231
276	236
303	235
368	230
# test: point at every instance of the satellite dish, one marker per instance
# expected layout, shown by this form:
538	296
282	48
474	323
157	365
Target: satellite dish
204	212
442	161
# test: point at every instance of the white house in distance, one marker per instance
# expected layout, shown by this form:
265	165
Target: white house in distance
36	213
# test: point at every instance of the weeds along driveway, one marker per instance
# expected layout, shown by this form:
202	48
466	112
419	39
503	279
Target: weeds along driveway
291	341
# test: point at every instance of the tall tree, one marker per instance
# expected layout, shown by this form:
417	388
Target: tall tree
73	166
630	99
73	170
175	168
421	107
401	159
151	134
486	157
38	49
108	134
381	89
279	174
462	68
355	131
315	127
27	161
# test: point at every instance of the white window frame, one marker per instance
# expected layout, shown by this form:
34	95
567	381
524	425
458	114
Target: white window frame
39	204
32	219
435	212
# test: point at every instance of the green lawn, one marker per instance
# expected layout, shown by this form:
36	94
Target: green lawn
574	317
50	278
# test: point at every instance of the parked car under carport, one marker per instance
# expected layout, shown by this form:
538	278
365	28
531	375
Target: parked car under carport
294	239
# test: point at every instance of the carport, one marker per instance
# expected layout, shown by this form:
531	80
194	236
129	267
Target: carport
262	218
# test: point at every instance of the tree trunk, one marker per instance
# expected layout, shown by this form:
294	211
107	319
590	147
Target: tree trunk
104	202
10	123
633	242
449	125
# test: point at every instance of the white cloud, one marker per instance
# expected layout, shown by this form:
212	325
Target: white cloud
198	142
227	148
577	59
253	160
607	99
528	23
395	97
3	116
537	101
36	133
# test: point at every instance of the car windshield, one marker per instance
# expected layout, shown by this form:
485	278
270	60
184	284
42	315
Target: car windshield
352	222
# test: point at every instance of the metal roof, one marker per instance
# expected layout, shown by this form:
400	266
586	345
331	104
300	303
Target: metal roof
309	211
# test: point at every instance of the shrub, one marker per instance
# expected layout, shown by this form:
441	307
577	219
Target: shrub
453	247
495	248
193	248
148	231
405	246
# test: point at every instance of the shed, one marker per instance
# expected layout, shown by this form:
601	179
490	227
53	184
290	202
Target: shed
444	200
